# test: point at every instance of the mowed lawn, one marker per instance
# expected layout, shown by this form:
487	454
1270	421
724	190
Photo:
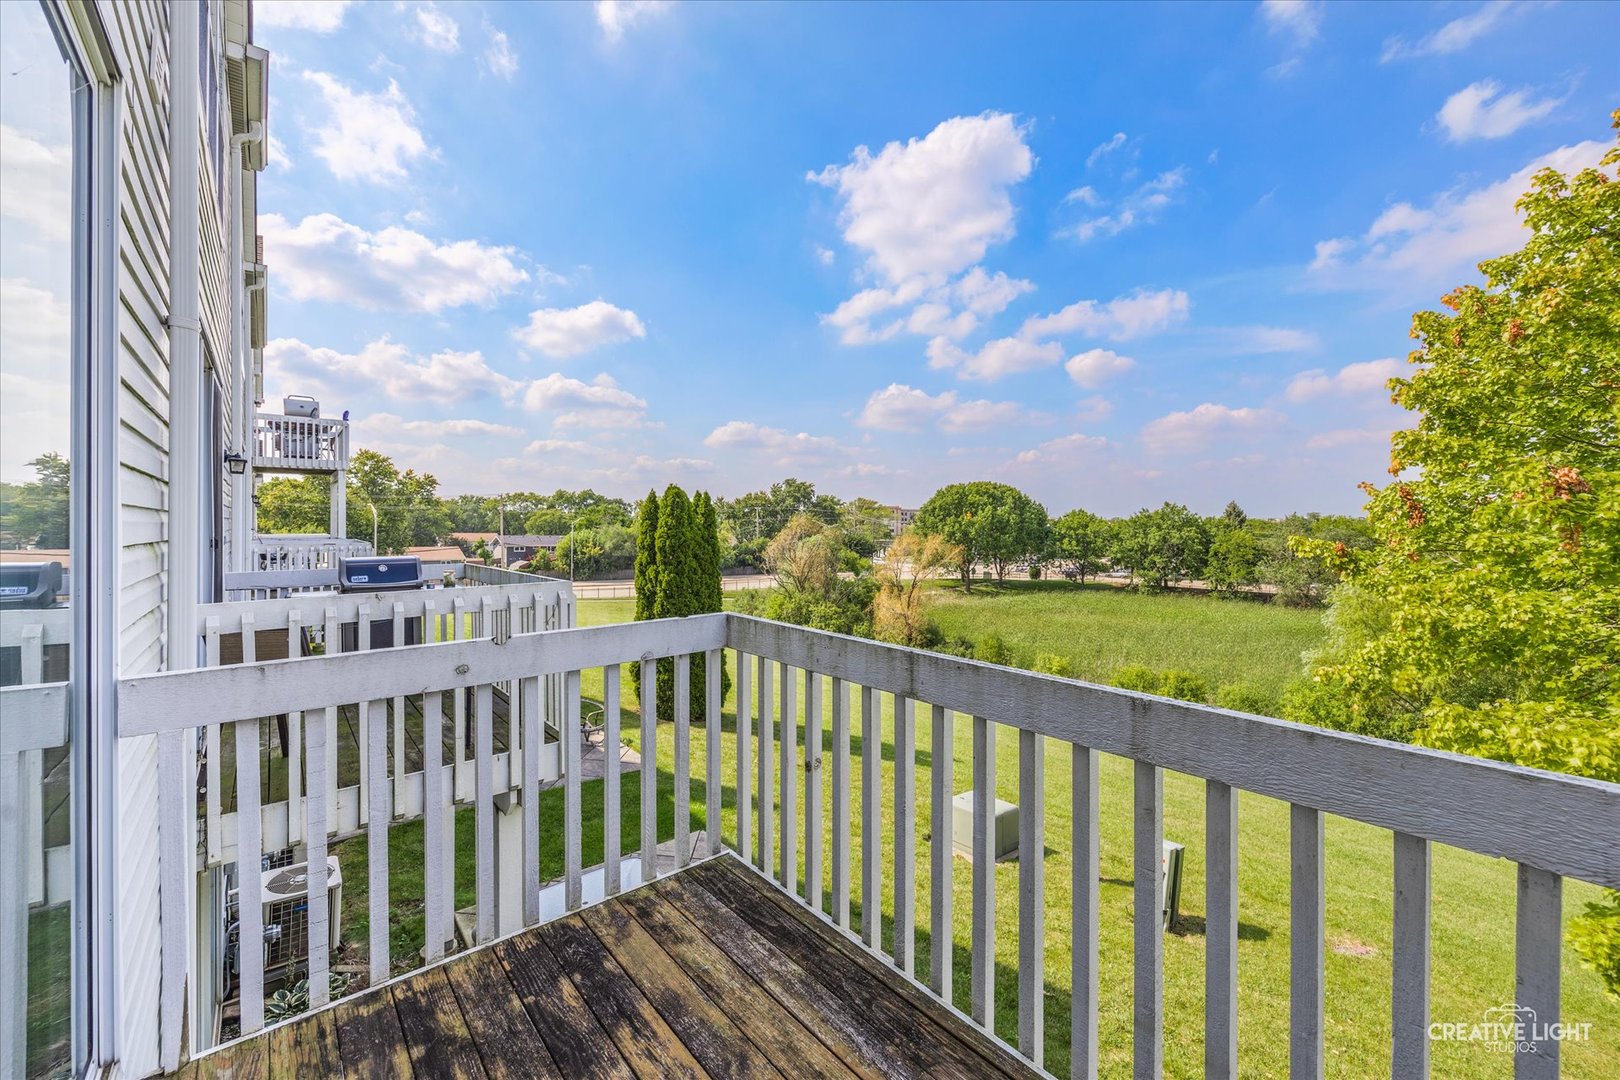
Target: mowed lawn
1473	896
1101	628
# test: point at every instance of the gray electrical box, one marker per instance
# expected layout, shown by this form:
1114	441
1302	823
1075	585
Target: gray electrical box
1003	830
1169	883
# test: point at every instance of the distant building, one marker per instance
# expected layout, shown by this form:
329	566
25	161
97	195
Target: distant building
900	519
512	549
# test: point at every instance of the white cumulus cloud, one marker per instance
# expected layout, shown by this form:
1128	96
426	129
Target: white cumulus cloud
317	16
601	403
898	407
996	358
1409	244
382	367
367	136
499	57
1120	319
780	446
390	425
1454	36
564	332
1063	450
1483	110
437	30
1360	378
1138	207
1198	427
324	257
617	16
931	207
1094	367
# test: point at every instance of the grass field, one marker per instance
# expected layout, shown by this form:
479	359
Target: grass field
1473	895
1100	629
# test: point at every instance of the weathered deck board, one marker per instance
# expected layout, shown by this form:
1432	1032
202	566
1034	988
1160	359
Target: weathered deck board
709	972
507	1041
856	963
577	1042
369	1040
788	1043
435	1031
649	1045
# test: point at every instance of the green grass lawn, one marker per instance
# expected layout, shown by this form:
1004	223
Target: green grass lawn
1473	895
1100	629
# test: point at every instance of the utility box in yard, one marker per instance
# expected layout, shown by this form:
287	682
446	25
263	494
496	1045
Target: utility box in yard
1003	829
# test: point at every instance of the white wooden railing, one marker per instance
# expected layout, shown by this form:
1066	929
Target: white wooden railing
241	632
1423	797
299	551
299	443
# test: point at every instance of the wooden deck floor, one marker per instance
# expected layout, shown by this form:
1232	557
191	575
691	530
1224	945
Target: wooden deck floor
709	973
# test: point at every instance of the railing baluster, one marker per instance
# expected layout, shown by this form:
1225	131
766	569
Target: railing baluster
458	631
745	758
317	811
1307	912
214	746
713	730
399	714
1537	954
1220	929
612	766
295	740
364	746
1148	1021
1409	999
573	817
683	760
905	835
767	796
528	699
983	986
377	838
1084	923
332	645
1031	895
649	769
840	797
484	810
812	788
941	776
433	815
788	872
871	807
249	876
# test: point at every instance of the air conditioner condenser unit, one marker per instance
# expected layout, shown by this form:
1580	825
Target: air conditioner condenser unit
285	893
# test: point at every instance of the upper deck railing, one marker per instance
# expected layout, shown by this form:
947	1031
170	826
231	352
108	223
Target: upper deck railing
1423	797
299	443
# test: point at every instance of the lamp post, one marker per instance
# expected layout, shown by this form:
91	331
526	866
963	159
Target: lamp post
373	507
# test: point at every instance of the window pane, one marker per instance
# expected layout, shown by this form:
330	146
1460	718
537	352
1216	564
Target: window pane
38	244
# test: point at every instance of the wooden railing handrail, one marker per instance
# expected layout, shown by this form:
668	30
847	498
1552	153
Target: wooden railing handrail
1555	821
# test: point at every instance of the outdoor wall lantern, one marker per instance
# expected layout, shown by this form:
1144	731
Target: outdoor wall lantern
236	463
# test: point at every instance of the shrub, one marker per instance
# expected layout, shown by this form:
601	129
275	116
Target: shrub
957	646
1244	697
992	650
1034	573
1052	664
1185	686
1136	677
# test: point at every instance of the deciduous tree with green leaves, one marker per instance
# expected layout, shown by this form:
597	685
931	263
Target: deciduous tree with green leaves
1080	539
990	522
1490	606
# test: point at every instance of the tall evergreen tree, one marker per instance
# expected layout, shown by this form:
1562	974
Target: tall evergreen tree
646	556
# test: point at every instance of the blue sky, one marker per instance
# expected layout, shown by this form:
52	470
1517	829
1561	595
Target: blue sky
1113	255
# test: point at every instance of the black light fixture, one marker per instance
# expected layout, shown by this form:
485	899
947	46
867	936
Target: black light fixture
236	463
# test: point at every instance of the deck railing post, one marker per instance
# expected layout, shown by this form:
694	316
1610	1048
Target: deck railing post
1148	1002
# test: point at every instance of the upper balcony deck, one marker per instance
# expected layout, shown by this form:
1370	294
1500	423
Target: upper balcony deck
823	786
299	444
